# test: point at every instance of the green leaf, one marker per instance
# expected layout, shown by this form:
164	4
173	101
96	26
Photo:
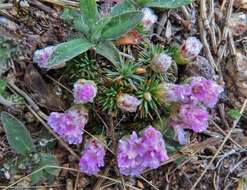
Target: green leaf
45	160
49	160
68	50
80	25
69	15
122	7
168	4
109	51
89	11
120	24
18	136
3	85
96	34
234	113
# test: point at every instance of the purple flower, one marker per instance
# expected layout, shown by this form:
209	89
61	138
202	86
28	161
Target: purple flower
161	63
154	148
191	48
168	92
136	154
129	156
84	91
128	103
42	56
190	116
92	158
69	125
206	91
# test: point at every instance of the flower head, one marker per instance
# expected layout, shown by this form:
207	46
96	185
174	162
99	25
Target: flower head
69	125
42	56
206	91
191	48
190	116
134	154
84	91
161	63
168	92
154	148
149	18
129	156
92	158
128	103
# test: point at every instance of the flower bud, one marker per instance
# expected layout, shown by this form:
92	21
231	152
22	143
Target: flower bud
42	56
128	103
147	96
238	23
84	91
149	18
140	71
188	51
161	63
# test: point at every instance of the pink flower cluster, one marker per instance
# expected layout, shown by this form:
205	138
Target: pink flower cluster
69	125
194	98
191	48
149	18
42	56
84	91
199	90
128	103
92	158
135	154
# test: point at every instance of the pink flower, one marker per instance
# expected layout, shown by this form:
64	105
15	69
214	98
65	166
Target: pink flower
154	148
42	56
168	92
206	91
149	18
69	125
191	48
128	103
92	158
161	63
84	91
129	155
135	154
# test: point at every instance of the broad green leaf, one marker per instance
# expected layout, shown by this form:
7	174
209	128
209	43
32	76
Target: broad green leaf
89	11
49	160
120	24
45	160
122	7
68	50
18	136
37	176
69	15
81	25
168	4
3	85
109	51
96	34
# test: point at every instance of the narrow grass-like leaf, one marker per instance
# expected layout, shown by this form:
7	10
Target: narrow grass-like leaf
18	136
168	4
120	24
68	50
